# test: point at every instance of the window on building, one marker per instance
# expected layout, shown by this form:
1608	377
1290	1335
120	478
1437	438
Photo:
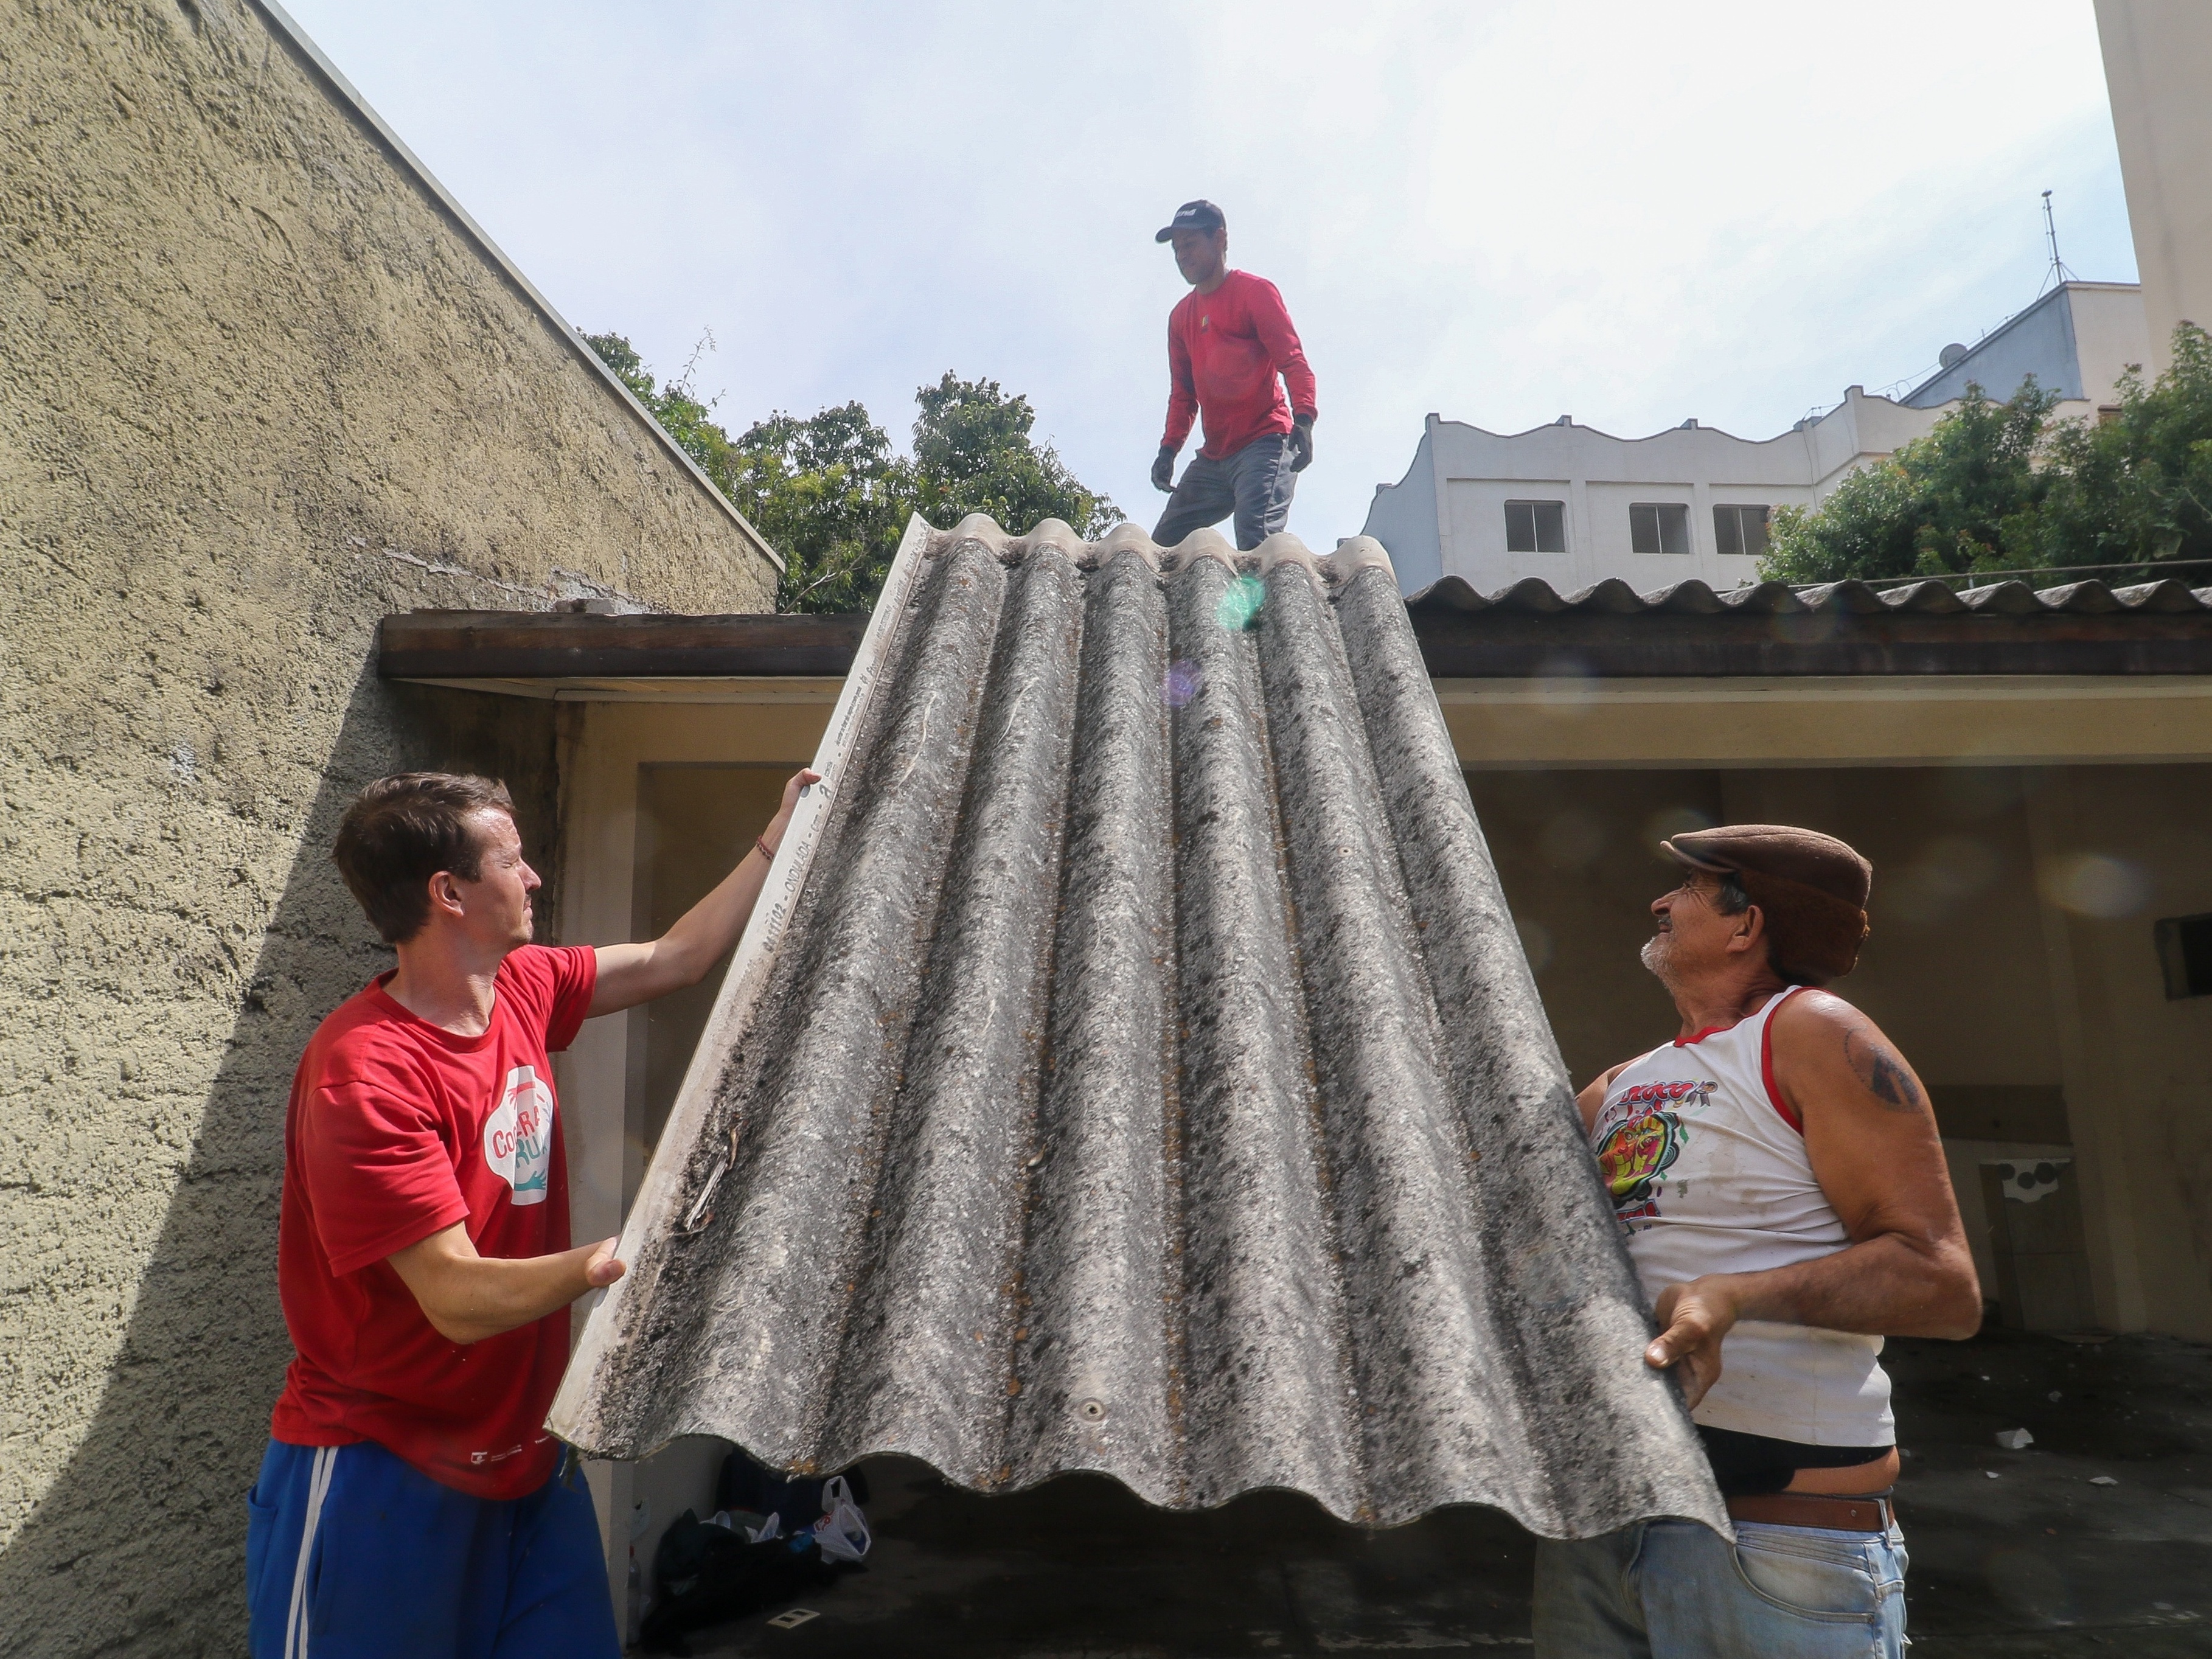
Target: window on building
1536	526
1740	529
2185	951
1658	527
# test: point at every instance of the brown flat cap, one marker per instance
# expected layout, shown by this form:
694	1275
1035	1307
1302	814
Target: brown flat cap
1812	887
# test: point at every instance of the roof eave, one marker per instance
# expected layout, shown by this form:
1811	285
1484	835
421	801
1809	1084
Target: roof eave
1497	643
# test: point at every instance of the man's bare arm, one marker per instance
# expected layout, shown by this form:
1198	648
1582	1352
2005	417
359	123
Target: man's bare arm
631	973
1871	1136
467	1297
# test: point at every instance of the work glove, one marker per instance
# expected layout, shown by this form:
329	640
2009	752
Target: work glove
1302	443
1163	469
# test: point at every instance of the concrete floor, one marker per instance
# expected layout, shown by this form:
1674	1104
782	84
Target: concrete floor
2035	1561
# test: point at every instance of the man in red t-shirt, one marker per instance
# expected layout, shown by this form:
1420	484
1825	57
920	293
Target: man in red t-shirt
407	1503
1228	342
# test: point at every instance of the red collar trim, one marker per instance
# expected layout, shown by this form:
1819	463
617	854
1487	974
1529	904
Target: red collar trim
1772	1003
1767	1065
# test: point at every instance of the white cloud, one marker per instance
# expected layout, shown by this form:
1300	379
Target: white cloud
1630	212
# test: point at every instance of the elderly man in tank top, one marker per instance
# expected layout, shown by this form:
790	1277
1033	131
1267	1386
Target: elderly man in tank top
1777	1171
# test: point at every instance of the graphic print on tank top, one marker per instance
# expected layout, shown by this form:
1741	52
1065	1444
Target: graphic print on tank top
1638	1136
1706	1164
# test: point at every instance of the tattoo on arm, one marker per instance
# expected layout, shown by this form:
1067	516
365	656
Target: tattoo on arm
1883	1072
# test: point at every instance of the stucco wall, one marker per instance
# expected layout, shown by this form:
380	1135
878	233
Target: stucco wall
259	389
2155	52
2118	847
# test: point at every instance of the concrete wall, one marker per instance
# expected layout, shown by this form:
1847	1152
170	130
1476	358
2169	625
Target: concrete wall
1403	517
1857	721
2158	61
2112	335
1954	969
2118	847
2011	958
260	388
2077	340
1446	517
641	775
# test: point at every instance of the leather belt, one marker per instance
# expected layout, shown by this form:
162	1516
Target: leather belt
1869	1512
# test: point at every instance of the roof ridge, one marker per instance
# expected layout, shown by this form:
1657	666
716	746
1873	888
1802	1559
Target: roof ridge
1351	555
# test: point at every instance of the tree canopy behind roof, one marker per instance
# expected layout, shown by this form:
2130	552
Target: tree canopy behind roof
833	496
2001	486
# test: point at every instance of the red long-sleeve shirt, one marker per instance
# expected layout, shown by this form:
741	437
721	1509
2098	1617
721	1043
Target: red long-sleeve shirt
1225	351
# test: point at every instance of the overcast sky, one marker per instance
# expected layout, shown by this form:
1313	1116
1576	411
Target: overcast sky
1629	212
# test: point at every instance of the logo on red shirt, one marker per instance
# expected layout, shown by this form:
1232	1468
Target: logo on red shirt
518	1142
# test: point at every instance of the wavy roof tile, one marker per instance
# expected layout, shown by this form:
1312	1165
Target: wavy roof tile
1132	1066
2011	598
1837	629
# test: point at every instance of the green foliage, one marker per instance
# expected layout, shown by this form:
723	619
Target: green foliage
1941	503
681	414
832	497
2139	487
973	453
1995	487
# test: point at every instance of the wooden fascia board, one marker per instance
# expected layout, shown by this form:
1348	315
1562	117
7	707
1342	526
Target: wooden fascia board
549	645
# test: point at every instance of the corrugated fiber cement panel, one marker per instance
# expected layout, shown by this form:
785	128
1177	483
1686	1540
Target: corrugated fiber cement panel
1132	1066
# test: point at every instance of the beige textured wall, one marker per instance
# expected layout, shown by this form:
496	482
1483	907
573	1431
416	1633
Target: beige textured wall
259	389
1955	967
1860	720
2158	57
2118	847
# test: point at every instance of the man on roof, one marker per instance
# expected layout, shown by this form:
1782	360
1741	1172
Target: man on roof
1231	354
408	1504
1777	1171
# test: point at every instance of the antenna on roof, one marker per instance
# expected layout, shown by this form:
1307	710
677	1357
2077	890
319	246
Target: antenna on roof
2059	273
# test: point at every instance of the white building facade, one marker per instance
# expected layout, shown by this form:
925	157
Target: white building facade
1573	506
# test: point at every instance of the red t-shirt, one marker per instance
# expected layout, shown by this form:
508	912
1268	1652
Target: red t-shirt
397	1129
1225	351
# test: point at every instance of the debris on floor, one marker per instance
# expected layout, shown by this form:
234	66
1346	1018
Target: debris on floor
2035	1565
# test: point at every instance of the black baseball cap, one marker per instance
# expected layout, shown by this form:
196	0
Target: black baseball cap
1194	216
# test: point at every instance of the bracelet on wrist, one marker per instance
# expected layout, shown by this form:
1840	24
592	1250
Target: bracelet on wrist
766	851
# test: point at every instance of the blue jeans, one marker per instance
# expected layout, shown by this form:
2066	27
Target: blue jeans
1254	483
1674	1589
354	1554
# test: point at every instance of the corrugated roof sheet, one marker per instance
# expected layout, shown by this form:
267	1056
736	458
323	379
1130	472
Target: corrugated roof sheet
2010	598
1133	1067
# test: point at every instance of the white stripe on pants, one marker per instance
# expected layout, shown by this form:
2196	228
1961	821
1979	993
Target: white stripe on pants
319	1484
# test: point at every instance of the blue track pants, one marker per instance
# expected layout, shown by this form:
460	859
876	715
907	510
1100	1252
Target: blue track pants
353	1553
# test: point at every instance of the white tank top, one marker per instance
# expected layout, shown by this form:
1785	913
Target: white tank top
1709	1175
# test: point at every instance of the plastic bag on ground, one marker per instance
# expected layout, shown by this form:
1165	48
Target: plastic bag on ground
842	1532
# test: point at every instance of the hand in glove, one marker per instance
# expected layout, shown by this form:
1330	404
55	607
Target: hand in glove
1302	443
1163	469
